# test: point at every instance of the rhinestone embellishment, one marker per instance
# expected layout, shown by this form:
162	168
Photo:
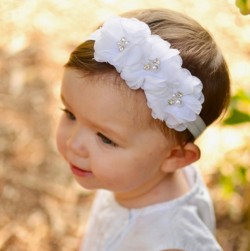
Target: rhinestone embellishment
122	43
176	99
152	65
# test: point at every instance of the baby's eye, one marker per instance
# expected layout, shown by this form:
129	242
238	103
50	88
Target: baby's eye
106	140
69	114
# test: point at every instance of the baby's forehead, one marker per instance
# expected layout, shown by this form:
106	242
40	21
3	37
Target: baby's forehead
132	101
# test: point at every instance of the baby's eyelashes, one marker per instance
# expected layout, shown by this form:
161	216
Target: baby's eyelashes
106	140
69	114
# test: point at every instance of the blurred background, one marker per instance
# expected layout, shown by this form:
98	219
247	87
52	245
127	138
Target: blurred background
41	206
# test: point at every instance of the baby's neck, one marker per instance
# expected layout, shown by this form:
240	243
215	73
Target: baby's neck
170	187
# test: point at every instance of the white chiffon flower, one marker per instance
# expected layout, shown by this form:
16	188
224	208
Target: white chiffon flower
153	63
148	62
119	40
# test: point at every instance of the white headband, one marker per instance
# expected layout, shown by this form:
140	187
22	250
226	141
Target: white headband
146	61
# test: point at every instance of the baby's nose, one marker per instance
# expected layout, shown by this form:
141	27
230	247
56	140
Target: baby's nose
78	141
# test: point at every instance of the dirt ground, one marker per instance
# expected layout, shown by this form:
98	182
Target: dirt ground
41	206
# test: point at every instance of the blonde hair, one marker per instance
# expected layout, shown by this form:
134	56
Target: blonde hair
199	53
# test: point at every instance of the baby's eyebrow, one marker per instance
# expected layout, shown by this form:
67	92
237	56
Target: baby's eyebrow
63	100
62	97
65	103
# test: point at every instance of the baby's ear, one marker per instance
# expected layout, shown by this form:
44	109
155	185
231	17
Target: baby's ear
181	156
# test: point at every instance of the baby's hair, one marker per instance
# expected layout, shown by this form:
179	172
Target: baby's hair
199	53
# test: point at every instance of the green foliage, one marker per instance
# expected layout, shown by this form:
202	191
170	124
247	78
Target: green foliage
233	181
244	6
234	172
239	109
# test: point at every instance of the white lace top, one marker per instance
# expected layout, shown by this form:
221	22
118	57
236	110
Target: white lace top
185	223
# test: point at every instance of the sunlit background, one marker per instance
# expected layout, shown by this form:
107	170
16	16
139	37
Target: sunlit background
41	206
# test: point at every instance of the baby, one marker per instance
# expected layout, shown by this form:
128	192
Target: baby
136	95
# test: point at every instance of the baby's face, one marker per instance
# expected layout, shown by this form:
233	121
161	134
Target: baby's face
106	138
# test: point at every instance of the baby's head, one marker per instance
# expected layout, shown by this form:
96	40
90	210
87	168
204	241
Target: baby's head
198	51
132	108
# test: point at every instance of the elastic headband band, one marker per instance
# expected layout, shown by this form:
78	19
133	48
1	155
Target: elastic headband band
196	127
146	61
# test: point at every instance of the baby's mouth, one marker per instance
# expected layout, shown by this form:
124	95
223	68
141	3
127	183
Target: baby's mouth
79	172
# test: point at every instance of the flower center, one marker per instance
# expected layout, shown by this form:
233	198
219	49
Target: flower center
176	99
122	43
152	65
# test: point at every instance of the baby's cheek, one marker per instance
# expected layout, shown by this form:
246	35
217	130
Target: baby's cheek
109	176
